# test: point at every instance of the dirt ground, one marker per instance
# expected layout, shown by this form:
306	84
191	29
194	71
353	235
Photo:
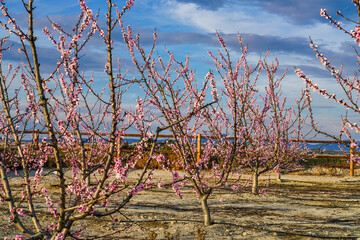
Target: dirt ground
311	204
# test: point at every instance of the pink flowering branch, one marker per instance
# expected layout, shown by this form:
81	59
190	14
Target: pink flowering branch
350	86
21	153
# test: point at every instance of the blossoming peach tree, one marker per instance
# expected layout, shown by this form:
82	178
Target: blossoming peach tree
176	107
349	87
264	132
84	128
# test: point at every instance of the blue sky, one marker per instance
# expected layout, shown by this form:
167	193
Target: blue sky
189	27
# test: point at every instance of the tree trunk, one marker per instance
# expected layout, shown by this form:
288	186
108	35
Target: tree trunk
206	210
279	177
255	183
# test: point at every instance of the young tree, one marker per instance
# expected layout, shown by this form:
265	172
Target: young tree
73	114
178	108
266	134
349	86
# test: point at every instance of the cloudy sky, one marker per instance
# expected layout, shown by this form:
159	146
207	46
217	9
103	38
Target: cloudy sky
188	27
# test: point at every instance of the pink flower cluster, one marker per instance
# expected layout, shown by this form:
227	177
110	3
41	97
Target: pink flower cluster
356	34
49	202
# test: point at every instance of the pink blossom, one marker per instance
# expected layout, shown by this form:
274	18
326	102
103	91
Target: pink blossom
221	40
322	12
81	208
60	236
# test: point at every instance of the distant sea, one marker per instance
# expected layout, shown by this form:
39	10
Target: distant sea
327	146
312	146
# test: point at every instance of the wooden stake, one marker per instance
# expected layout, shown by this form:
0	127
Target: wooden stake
118	146
198	151
351	162
36	138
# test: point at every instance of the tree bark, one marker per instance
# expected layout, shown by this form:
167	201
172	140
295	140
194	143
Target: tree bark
279	177
206	210
255	183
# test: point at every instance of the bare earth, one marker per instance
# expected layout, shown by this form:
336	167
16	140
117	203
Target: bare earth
318	204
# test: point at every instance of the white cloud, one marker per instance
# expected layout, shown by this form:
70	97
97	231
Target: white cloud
249	19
